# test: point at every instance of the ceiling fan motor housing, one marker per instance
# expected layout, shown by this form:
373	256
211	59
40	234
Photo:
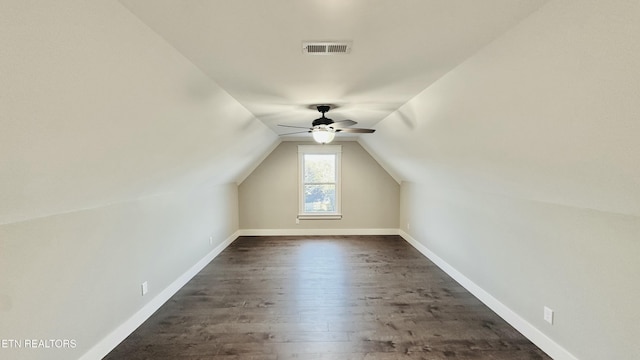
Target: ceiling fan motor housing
323	120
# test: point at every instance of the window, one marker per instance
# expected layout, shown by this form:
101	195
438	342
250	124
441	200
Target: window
319	174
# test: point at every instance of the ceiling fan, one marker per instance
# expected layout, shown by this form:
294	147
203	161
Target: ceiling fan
324	129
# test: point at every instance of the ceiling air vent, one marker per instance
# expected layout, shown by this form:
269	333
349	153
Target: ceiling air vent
326	47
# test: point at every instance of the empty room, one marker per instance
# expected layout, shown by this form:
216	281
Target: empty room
319	179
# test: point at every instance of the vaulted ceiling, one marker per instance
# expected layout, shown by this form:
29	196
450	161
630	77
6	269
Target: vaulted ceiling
253	49
104	102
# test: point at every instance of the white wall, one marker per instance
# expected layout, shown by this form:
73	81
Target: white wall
78	275
521	172
269	196
118	159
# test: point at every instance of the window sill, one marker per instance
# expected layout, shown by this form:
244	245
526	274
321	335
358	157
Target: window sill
320	216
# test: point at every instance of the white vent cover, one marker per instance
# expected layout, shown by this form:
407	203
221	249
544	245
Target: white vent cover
326	47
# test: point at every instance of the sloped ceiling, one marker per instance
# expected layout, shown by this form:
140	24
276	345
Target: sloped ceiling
95	108
547	112
253	49
108	101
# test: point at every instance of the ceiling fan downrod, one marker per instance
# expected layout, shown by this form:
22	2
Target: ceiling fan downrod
322	120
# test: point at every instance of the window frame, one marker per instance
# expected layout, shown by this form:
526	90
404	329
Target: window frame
320	150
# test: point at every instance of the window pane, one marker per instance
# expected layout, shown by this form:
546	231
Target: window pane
319	168
319	198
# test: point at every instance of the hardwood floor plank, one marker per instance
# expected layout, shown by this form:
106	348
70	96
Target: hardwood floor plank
328	297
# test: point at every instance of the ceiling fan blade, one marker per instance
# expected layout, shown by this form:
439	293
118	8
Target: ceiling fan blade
344	123
297	132
297	127
356	130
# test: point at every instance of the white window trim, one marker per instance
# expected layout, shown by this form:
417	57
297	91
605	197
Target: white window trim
316	150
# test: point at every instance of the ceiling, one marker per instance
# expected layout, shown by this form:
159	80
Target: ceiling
253	49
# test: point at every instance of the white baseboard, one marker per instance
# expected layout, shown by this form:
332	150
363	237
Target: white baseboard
312	232
536	336
102	348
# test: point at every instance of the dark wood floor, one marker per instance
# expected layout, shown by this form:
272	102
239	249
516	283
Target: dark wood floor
356	297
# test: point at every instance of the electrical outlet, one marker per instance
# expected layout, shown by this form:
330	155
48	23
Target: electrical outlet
211	240
408	226
297	221
145	288
548	315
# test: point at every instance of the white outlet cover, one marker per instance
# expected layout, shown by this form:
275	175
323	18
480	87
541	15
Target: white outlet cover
548	315
145	288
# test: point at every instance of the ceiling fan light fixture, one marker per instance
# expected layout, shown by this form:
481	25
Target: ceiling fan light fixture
324	129
323	134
